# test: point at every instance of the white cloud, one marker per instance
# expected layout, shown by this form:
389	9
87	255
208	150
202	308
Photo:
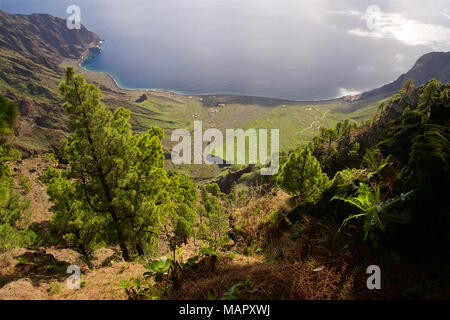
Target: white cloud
343	92
350	12
398	27
446	14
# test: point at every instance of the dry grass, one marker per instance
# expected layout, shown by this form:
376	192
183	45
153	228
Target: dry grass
41	274
310	261
27	274
312	270
103	284
258	223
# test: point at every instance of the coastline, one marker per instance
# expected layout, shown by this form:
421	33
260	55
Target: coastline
117	86
86	54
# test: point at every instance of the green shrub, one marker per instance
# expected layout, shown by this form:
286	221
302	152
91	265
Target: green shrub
137	289
374	161
8	114
302	175
13	207
214	189
25	183
192	262
158	268
12	238
54	288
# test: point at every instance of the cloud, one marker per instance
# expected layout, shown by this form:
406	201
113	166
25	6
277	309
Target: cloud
446	14
343	92
349	12
396	26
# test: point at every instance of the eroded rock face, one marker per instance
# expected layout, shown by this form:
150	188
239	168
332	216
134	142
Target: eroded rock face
226	182
43	36
32	49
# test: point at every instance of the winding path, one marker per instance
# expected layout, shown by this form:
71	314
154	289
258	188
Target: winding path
312	123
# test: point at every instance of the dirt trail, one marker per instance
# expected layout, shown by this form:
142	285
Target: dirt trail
315	121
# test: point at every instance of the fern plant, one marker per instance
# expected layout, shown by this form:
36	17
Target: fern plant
369	203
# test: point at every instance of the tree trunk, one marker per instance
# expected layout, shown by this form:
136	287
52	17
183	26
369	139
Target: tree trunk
123	248
139	249
120	237
112	212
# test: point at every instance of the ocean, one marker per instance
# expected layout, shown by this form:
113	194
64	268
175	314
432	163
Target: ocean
291	49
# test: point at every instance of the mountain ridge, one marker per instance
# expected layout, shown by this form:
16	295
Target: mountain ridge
44	35
32	51
430	65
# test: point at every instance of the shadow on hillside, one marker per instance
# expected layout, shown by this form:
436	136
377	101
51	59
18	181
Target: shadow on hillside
318	264
37	266
314	278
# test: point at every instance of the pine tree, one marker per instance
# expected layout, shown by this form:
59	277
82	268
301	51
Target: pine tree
76	223
302	175
214	228
115	178
182	209
408	86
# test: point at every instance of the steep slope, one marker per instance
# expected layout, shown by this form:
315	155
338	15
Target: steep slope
32	49
431	65
42	37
